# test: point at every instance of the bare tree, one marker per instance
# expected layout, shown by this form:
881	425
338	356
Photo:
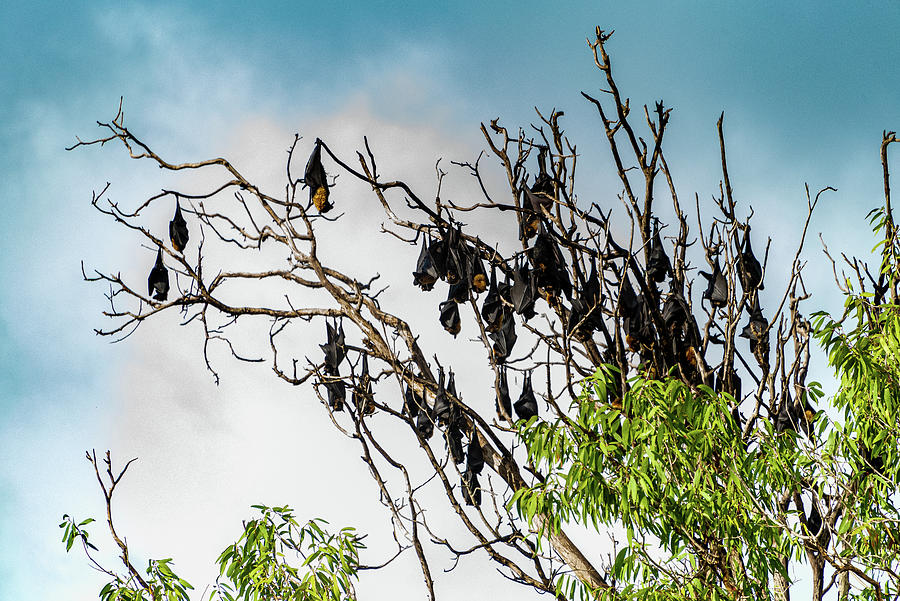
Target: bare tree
593	309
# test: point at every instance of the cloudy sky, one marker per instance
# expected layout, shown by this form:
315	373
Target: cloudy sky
806	90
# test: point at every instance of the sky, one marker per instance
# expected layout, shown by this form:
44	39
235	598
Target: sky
806	87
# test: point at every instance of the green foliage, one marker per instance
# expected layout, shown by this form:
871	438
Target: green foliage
258	566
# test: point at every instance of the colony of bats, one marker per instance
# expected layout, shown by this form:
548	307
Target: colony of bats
587	283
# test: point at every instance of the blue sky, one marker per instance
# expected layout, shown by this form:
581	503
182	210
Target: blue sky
807	89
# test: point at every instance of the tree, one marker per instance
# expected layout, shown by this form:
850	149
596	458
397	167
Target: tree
715	463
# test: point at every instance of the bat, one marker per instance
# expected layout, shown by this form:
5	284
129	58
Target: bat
454	445
492	308
412	402
441	407
526	407
455	419
158	281
729	383
477	274
336	392
523	293
502	401
756	325
658	264
716	287
675	310
424	423
784	421
178	230
426	274
474	455
750	271
505	338
814	521
471	490
315	179
549	265
453	256
450	317
363	399
334	348
629	305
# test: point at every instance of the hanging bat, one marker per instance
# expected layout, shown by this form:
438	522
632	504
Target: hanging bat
505	338
426	273
471	490
474	455
526	407
729	383
454	445
524	291
178	230
591	298
158	281
336	393
629	305
441	407
478	276
334	348
412	402
502	402
363	399
455	419
785	421
549	265
450	317
716	287
454	257
750	272
316	181
814	521
424	423
675	310
658	264
492	307
756	325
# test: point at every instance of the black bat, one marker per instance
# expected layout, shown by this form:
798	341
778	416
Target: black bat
412	402
336	393
158	282
492	308
474	455
523	293
675	309
785	420
756	325
502	396
716	286
526	407
471	490
505	338
424	423
454	445
441	408
658	264
426	274
450	317
549	265
750	272
629	305
363	399
476	276
454	257
334	348
178	230
316	181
